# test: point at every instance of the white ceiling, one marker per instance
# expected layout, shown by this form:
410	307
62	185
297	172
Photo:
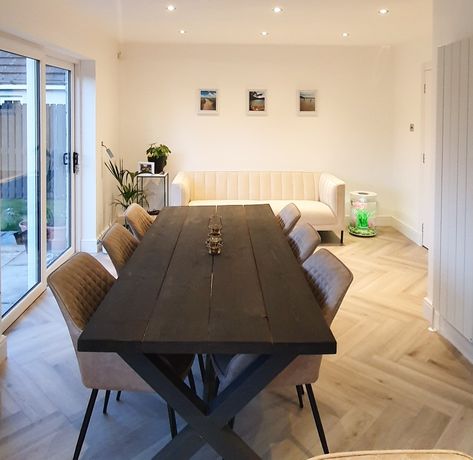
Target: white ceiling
302	22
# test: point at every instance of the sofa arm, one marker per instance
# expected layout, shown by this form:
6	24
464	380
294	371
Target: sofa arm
180	190
332	193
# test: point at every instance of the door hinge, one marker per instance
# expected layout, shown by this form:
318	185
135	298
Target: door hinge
75	162
425	88
423	158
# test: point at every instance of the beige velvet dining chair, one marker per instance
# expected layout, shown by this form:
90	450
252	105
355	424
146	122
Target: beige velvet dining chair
329	279
120	244
288	217
435	454
79	286
138	220
304	240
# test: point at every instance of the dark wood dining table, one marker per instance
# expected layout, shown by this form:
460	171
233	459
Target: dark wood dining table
173	297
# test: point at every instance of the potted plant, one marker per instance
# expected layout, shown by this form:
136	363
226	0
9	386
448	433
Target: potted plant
128	189
158	154
56	230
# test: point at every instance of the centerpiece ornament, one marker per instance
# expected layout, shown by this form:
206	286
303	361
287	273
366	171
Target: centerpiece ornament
214	241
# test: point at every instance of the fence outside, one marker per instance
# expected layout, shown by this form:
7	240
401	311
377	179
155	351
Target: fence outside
13	149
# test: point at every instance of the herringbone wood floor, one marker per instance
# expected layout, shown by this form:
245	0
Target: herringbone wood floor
392	384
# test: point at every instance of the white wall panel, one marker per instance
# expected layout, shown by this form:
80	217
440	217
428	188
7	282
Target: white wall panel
453	277
468	287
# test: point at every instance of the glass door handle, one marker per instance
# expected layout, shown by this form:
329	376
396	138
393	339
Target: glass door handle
65	159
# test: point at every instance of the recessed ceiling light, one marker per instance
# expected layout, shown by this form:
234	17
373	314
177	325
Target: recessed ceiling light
277	9
182	31
383	11
264	33
170	7
345	34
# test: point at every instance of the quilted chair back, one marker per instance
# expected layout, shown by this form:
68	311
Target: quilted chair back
288	217
303	240
120	244
330	280
138	220
79	285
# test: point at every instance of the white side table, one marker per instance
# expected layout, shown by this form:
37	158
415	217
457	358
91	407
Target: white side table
162	178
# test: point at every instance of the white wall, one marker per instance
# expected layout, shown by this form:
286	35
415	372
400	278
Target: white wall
351	136
408	63
452	21
64	27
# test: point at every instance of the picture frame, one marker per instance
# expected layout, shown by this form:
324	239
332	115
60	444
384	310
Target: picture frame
307	102
207	101
256	102
146	167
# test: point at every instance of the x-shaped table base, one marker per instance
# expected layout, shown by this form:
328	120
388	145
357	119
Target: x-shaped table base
207	422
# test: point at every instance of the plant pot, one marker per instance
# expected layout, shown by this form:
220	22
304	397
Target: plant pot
159	164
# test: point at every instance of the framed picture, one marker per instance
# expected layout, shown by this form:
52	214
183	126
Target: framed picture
207	102
146	167
257	102
307	102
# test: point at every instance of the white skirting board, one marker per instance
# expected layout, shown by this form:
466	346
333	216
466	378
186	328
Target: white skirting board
3	348
447	331
407	230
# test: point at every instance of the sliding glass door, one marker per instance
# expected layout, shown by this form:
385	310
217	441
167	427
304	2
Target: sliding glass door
19	178
58	162
36	179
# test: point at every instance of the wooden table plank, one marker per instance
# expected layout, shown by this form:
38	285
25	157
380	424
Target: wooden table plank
122	318
179	321
260	303
237	315
294	315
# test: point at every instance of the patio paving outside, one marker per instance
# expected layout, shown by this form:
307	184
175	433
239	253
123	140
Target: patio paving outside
14	270
14	263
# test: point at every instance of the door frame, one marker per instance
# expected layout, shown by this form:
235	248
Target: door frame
73	189
427	162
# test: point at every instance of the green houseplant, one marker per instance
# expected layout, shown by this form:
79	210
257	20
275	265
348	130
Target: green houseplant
158	154
127	184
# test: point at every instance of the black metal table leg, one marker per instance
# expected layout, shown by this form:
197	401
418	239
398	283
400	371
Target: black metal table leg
208	423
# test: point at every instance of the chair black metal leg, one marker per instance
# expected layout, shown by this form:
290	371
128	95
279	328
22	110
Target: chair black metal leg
318	421
215	388
231	423
300	392
203	374
341	238
105	401
172	421
119	393
190	377
85	423
209	380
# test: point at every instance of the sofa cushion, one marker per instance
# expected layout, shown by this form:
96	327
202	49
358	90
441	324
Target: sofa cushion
312	211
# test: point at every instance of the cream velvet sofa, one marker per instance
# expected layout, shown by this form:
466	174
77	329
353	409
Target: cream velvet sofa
319	196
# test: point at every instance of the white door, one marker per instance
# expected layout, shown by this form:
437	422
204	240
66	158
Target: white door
36	173
427	201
